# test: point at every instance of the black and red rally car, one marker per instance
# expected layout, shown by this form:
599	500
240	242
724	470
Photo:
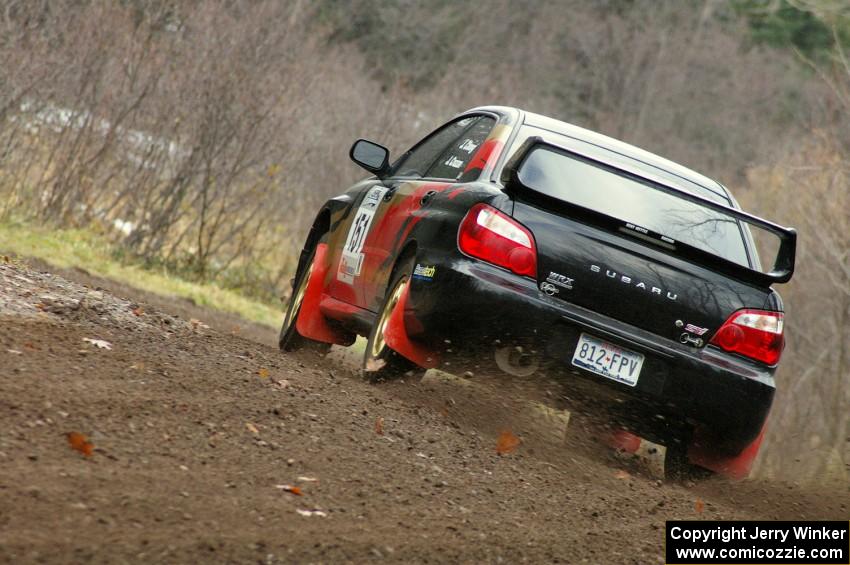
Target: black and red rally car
511	237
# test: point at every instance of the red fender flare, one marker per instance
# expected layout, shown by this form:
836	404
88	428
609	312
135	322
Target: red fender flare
396	337
311	323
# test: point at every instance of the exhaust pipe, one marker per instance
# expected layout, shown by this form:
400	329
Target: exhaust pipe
517	361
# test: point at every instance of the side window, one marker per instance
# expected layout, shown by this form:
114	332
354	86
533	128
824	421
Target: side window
417	163
457	162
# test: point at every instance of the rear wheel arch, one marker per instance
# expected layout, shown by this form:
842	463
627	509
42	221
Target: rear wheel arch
380	360
407	253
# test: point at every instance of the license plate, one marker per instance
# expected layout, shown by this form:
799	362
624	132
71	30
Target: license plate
608	360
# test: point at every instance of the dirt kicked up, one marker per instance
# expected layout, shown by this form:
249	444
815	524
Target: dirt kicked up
129	434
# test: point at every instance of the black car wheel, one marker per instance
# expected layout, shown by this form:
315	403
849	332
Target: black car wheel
290	339
379	360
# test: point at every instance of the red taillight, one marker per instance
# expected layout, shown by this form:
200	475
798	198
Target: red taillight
756	334
489	235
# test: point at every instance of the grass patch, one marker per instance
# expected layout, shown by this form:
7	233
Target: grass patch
85	249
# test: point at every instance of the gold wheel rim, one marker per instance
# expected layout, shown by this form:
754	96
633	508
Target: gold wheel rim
298	297
379	343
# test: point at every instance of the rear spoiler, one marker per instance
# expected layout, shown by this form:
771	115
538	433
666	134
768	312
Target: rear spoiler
783	268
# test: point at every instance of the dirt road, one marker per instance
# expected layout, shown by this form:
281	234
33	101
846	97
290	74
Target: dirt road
198	426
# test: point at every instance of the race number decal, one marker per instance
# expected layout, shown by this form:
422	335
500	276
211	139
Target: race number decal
352	254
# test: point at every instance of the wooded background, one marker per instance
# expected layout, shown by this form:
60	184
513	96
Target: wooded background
201	136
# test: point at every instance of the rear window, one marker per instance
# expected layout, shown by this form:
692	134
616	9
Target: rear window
607	191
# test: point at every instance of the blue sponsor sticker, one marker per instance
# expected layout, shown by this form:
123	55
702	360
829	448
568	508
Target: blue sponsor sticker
424	273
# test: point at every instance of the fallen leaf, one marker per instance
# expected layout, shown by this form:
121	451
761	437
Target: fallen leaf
264	373
623	475
252	428
290	489
138	311
313	512
507	443
79	442
379	426
303	479
699	506
99	343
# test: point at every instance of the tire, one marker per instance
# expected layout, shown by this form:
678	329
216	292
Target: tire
290	339
677	467
380	362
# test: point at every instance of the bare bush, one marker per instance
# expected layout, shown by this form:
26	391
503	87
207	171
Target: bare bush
168	122
810	426
810	435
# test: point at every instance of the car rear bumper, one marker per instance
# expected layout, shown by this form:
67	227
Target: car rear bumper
468	308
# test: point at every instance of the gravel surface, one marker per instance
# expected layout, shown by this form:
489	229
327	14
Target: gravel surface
201	442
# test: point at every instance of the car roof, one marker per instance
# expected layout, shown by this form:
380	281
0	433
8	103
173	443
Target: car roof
602	143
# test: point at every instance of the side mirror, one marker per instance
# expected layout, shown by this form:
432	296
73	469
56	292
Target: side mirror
371	156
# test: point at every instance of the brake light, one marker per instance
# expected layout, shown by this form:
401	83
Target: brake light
489	235
756	334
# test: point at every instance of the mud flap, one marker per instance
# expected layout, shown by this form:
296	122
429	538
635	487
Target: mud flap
736	467
395	335
623	440
311	323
